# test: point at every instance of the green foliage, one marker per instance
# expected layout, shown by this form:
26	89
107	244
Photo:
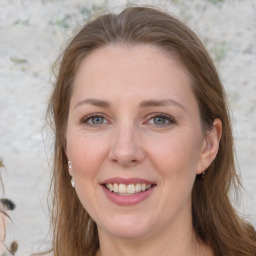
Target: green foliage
46	1
216	1
18	60
21	22
85	11
220	51
61	22
88	12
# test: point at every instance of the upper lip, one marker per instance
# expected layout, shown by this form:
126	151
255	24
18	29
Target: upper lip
126	181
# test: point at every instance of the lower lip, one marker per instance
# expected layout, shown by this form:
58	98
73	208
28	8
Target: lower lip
127	200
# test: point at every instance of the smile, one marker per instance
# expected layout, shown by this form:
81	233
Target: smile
129	189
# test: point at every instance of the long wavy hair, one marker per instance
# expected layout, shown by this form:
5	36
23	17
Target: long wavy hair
215	220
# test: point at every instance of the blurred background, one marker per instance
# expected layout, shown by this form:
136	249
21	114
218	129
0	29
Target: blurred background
34	32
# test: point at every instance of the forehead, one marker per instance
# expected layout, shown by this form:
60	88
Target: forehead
137	73
122	54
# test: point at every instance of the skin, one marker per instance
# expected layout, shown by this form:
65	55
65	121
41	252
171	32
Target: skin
3	223
129	141
3	220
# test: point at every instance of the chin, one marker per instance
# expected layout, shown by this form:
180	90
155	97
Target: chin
130	234
129	228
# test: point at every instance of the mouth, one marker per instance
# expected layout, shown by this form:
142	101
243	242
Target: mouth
128	189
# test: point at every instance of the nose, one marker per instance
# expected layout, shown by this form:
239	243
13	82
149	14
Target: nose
126	148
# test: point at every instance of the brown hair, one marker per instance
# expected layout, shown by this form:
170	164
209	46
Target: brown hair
215	221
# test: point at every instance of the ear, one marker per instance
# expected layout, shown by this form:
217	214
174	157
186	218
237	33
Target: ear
210	146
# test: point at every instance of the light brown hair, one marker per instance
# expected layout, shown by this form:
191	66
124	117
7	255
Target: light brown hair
215	221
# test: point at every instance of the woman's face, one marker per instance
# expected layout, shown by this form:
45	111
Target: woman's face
134	140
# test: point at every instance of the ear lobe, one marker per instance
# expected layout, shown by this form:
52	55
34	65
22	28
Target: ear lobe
210	146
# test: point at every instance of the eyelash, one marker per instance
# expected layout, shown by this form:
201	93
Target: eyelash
152	116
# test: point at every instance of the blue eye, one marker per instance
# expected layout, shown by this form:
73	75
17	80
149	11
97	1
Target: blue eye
161	120
94	120
97	120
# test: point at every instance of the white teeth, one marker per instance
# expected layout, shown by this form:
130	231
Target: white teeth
116	188
110	187
122	189
138	187
129	189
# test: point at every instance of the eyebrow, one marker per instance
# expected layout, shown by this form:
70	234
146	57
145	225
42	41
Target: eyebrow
94	102
160	103
143	104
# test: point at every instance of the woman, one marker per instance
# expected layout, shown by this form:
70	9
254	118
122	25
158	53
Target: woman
143	158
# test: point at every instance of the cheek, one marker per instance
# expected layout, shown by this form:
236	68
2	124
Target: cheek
175	154
86	153
175	159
